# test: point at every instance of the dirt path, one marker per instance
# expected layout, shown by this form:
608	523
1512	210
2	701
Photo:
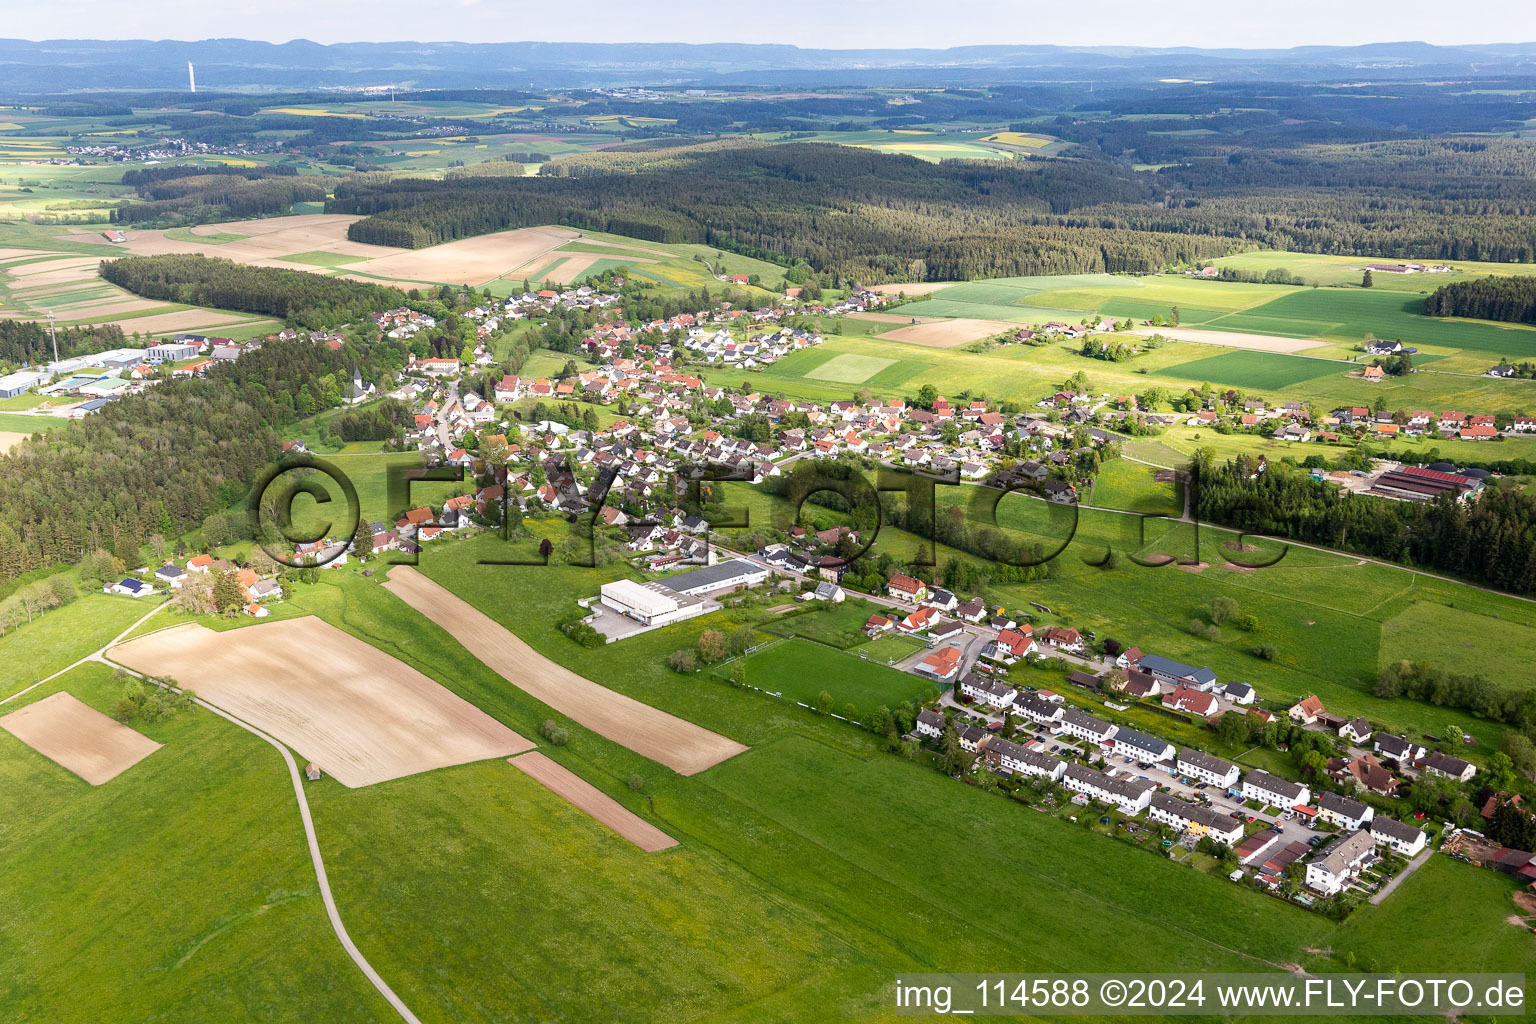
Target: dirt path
675	742
590	800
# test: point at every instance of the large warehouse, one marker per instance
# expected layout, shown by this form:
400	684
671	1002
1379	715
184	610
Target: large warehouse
647	603
736	572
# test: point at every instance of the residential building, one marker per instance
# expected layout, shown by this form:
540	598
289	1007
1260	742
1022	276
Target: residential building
1306	710
1086	727
1273	790
1188	817
906	588
1448	766
930	724
943	664
1131	795
1175	673
1207	768
1398	748
987	691
1341	862
1356	730
1401	839
1184	698
1041	712
1345	812
1011	758
1130	743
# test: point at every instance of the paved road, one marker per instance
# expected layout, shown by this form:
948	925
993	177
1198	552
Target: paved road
362	963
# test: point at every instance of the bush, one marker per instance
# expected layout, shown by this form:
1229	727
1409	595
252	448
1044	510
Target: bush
1222	609
636	782
584	634
1266	651
1247	622
553	733
682	661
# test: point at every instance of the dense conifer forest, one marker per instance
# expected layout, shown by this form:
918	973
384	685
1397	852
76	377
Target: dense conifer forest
867	216
1511	299
199	195
28	341
307	300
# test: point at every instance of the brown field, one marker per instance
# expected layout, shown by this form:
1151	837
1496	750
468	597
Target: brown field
359	714
948	333
10	439
268	238
76	736
590	800
1233	339
180	320
472	261
912	288
573	266
680	745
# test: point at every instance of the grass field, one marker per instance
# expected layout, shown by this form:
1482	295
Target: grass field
1461	641
799	670
60	637
1131	486
850	369
1259	370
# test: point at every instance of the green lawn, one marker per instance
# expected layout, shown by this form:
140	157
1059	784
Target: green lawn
1461	641
57	638
180	891
1131	486
799	670
840	625
1269	371
889	649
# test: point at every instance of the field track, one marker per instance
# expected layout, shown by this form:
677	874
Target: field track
590	800
76	736
679	744
358	713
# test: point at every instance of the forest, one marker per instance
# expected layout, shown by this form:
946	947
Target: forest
306	300
1491	540
847	212
202	194
28	341
862	216
1510	299
162	461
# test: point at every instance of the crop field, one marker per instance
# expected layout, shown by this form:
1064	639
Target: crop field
934	145
359	714
78	737
1266	370
675	742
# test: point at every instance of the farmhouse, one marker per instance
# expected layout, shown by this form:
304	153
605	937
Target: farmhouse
1401	839
1344	860
1130	795
1343	811
1188	817
1260	785
1208	768
1010	758
1398	748
1185	699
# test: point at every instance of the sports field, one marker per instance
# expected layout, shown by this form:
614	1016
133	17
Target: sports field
359	714
850	369
800	670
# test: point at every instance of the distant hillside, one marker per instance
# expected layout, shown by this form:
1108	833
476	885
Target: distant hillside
60	66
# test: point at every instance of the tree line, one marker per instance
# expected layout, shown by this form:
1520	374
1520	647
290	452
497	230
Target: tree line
28	341
1490	540
1509	299
209	194
307	300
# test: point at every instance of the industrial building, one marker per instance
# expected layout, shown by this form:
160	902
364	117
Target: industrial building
648	603
736	572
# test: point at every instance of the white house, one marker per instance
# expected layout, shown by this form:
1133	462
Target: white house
1343	860
1085	727
1208	768
1398	748
1448	766
1130	795
1356	730
1401	839
129	588
171	574
987	691
1041	712
1130	743
1010	757
930	724
1270	789
1346	813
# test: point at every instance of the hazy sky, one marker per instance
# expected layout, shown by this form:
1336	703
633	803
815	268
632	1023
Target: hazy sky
835	24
